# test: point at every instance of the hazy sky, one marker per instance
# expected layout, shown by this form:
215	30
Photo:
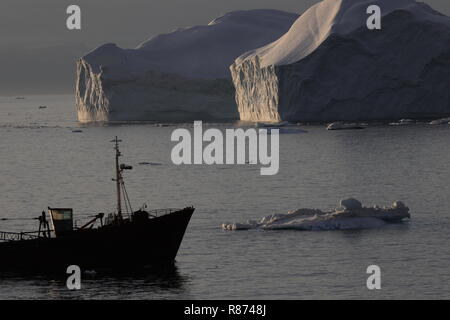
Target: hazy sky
37	52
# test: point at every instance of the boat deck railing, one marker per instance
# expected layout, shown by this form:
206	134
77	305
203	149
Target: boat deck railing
17	236
162	212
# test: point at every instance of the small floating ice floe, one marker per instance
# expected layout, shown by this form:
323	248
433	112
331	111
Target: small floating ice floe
403	122
90	272
346	126
163	125
440	121
150	164
350	215
283	127
271	124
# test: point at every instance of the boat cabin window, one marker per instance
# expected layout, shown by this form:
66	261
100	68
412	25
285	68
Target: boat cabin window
62	220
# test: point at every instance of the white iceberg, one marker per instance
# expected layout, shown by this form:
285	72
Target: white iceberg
440	121
180	76
351	215
330	67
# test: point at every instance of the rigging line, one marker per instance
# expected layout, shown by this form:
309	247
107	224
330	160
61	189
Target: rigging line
127	198
126	203
14	219
124	196
87	215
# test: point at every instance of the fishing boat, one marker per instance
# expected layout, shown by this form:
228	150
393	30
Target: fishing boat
122	240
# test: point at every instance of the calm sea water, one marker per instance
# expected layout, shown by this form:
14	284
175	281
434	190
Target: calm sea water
44	163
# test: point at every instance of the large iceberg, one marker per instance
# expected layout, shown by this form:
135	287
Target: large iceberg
330	67
180	76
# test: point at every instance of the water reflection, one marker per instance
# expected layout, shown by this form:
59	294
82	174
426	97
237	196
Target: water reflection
150	283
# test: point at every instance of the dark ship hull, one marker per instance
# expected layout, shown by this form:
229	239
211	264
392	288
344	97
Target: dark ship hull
141	240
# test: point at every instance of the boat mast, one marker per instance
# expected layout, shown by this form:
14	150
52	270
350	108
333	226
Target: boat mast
118	179
120	185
